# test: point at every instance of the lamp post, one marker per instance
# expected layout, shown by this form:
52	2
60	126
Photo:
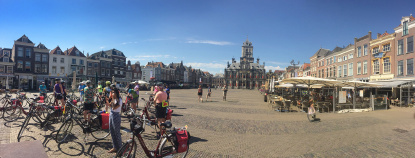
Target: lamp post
293	63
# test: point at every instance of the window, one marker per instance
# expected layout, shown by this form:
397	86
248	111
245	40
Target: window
37	68
334	71
27	66
20	51
95	64
89	64
327	61
62	70
73	68
350	69
410	67
77	53
351	56
62	60
44	58
340	71
37	57
108	73
331	60
410	44
6	59
359	51
365	50
400	68
74	61
55	59
28	52
359	68
322	73
340	59
376	66
344	58
344	70
9	69
2	70
59	52
364	67
386	65
115	72
44	68
6	53
20	65
102	72
375	50
81	62
400	47
387	47
330	73
54	69
405	28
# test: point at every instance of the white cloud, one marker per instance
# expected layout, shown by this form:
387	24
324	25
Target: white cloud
277	63
207	65
124	43
102	47
267	68
161	39
220	43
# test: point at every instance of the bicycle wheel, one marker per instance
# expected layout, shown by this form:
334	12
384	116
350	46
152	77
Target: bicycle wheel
127	150
96	131
64	131
168	148
11	112
23	128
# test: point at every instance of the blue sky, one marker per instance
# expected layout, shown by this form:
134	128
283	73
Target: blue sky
203	34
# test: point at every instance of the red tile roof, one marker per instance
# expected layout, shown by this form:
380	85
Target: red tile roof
155	64
54	51
72	52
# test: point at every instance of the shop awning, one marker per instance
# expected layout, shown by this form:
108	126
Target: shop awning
392	83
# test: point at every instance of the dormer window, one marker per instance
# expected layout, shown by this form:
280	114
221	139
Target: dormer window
59	52
77	53
405	28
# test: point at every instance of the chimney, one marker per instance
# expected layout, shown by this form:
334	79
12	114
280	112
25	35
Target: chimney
233	60
257	60
378	35
370	35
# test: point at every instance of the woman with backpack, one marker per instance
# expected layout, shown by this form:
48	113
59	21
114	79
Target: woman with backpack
200	93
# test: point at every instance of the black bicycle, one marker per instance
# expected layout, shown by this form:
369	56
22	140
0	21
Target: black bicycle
74	116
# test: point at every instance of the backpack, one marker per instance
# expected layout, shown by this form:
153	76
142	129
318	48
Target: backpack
182	139
169	113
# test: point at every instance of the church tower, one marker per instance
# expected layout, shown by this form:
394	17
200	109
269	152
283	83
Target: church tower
247	52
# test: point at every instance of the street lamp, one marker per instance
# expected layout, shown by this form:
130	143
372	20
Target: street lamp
293	63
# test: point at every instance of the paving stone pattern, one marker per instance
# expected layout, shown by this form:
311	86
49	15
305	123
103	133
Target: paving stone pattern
245	126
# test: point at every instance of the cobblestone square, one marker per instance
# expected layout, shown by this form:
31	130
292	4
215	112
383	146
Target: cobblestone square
245	126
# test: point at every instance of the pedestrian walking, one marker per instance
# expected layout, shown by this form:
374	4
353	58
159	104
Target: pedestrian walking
225	91
168	92
58	91
200	93
208	93
115	120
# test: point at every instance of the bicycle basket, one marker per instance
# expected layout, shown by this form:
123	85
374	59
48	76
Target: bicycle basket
136	127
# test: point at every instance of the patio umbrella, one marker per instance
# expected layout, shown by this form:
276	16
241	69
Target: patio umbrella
355	85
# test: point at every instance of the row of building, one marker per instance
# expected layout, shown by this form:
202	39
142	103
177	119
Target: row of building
27	65
388	56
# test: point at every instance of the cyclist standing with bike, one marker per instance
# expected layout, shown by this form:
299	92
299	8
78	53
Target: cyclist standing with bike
160	100
81	91
115	119
89	101
58	90
42	89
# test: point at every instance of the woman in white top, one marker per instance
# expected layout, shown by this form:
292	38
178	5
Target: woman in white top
115	120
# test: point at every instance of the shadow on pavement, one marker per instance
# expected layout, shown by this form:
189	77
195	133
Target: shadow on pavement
93	145
71	148
27	138
194	139
176	115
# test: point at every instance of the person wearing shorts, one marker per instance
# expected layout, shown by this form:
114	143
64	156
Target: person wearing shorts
133	94
58	90
200	93
88	102
160	97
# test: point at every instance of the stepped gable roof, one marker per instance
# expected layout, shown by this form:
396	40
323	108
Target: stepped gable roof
41	46
54	51
321	52
72	52
25	39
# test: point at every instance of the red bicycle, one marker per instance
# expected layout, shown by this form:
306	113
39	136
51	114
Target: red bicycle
13	109
173	143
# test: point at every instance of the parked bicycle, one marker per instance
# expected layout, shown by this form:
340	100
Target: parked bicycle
75	116
173	143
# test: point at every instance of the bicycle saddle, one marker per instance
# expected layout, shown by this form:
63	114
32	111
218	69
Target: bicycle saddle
166	124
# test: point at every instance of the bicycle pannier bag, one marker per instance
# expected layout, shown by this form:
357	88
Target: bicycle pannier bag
182	138
105	121
169	113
